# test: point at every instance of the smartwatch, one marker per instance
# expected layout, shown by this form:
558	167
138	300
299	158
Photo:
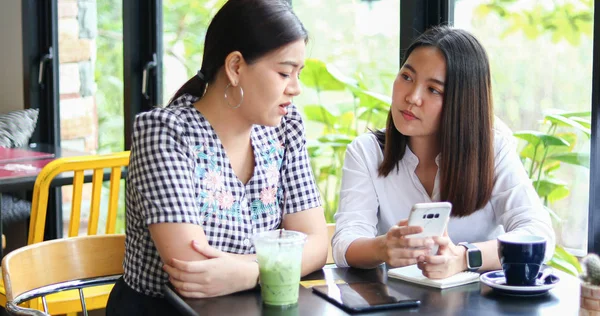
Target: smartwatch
474	258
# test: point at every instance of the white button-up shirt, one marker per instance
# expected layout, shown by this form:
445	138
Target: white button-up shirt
370	205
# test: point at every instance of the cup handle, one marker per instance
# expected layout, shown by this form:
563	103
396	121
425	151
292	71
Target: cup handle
547	271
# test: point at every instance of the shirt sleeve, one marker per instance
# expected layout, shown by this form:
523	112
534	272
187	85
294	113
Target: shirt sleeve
515	203
162	170
299	187
358	206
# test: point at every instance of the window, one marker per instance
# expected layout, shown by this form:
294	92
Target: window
185	24
91	83
357	42
360	36
541	60
357	37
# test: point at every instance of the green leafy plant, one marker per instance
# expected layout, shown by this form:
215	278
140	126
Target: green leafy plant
340	123
185	25
566	20
543	154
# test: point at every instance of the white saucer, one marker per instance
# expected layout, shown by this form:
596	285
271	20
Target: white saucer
496	280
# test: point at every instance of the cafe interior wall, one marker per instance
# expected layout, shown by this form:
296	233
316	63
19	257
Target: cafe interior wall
11	61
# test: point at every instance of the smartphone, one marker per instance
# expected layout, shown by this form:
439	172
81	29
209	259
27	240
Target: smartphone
433	217
364	296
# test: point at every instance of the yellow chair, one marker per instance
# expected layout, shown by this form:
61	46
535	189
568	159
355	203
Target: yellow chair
64	264
96	297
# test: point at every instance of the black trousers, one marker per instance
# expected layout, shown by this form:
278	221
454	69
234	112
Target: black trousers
125	301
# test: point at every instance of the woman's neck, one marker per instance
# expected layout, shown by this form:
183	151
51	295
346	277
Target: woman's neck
425	148
228	123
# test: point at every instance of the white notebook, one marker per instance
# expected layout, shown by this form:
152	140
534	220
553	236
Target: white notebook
413	274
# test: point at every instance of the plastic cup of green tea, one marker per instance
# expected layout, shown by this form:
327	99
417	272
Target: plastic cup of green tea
279	254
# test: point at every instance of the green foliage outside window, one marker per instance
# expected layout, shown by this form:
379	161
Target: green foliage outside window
544	153
563	136
566	20
109	76
185	23
340	122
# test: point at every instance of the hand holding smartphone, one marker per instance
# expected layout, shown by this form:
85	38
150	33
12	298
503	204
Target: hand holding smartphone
433	217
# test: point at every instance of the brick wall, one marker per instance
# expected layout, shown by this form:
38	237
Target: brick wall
77	29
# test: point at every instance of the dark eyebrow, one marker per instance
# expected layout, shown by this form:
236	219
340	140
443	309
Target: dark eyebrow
291	63
411	68
441	83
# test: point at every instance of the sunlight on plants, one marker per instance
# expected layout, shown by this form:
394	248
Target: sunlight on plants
340	123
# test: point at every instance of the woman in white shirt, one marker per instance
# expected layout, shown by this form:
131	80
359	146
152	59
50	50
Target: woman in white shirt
440	144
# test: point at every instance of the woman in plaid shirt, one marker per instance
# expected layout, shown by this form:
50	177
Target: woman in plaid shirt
224	160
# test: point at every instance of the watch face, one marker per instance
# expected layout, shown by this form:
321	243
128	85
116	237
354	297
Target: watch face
474	259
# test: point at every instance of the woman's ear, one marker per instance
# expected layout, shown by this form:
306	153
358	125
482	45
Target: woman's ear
233	63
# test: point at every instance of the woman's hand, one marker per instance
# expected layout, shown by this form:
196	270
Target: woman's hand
220	274
397	250
448	261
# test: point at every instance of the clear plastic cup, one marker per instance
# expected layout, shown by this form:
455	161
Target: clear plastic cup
279	254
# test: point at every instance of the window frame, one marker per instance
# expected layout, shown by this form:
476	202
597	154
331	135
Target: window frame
40	39
594	202
142	49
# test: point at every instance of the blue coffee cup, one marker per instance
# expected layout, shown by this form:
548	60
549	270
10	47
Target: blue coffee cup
521	257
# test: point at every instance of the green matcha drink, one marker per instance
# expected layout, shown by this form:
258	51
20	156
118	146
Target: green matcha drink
280	261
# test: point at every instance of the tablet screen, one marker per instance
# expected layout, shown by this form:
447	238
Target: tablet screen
364	296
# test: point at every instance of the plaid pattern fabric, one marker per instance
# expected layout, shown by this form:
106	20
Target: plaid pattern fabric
179	173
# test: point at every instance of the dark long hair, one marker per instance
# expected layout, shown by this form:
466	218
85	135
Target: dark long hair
466	137
252	27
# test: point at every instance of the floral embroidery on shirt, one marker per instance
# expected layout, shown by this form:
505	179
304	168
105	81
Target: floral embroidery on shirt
272	155
220	204
267	195
272	174
214	201
225	199
214	182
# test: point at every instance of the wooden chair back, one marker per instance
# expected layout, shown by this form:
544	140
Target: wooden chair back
27	272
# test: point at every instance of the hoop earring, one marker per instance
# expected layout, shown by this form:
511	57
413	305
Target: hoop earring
227	99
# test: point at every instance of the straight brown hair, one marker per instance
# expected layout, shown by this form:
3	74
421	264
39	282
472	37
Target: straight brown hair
466	136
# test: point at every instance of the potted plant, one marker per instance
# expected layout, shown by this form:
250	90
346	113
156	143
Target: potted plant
590	285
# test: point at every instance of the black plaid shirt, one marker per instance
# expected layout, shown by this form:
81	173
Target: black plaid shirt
179	173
